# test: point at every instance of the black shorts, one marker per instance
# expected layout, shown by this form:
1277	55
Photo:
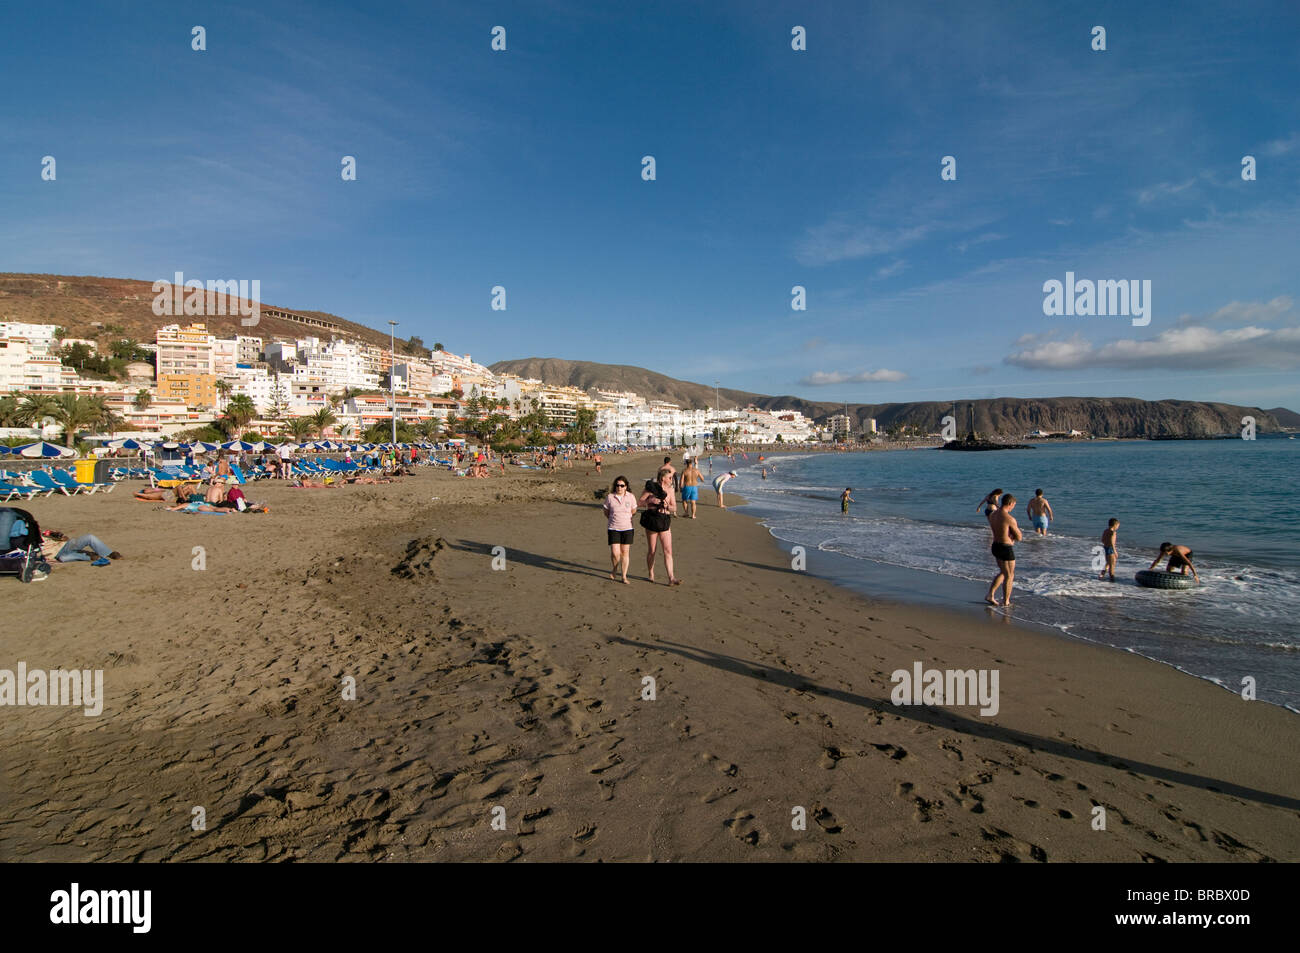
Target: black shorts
1004	552
654	522
623	536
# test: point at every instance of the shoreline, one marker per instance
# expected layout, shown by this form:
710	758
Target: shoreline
522	688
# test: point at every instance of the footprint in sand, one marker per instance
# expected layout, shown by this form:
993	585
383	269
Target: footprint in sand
825	819
830	755
894	752
740	827
1009	849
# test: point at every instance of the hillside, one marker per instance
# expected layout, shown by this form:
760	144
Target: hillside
1289	419
1012	416
648	384
86	306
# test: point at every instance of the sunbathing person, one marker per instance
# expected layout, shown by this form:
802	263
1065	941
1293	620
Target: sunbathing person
367	480
197	506
216	492
152	494
307	483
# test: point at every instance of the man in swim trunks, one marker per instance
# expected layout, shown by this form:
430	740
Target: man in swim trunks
1108	546
845	499
1180	559
691	479
1040	512
1006	533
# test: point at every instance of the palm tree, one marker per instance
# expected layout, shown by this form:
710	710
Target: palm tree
323	419
35	409
73	412
142	400
428	429
224	389
300	428
9	413
240	410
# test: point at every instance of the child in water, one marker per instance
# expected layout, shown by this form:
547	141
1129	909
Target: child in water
845	500
1108	542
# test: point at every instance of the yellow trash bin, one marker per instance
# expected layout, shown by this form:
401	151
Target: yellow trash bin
85	471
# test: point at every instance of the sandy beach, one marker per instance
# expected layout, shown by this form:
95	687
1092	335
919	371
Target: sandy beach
522	688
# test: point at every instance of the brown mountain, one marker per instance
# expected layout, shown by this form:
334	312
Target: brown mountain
1289	419
1009	416
87	307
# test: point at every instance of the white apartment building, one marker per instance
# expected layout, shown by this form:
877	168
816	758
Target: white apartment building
39	337
24	368
249	349
414	377
184	351
225	355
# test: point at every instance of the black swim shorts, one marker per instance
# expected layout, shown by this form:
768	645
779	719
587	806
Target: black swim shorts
622	536
1005	552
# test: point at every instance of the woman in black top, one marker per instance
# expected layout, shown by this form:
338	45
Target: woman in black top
658	503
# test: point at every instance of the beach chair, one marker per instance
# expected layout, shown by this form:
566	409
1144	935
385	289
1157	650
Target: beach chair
9	491
46	482
68	481
238	474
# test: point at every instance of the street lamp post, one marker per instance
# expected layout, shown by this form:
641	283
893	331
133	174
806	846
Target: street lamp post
392	384
717	412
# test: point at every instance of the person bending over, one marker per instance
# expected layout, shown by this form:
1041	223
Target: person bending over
1180	560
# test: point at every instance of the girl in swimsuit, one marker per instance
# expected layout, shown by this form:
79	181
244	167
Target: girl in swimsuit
990	502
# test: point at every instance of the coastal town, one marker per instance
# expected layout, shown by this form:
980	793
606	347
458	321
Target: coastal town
189	378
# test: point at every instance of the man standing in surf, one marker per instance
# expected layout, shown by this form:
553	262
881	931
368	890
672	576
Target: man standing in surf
1006	533
1040	513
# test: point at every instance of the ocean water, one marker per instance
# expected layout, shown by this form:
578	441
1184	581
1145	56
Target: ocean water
916	533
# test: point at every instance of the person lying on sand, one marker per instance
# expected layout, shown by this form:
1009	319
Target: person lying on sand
367	480
56	547
307	483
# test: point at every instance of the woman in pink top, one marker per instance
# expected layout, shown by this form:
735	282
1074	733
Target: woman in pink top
619	506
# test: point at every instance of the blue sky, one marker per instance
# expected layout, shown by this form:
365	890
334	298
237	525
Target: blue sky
775	168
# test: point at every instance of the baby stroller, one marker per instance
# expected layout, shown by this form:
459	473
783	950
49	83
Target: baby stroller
20	550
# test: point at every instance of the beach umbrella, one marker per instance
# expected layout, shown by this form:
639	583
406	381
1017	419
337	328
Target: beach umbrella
4	450
261	446
201	446
240	445
42	449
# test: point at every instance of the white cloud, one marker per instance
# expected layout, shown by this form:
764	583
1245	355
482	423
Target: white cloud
979	240
829	243
1179	348
1280	147
1244	312
1163	190
888	271
824	378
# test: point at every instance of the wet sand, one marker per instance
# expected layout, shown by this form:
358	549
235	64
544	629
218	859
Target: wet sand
522	688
